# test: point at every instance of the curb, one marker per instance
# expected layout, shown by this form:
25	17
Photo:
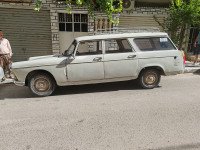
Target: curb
192	69
7	81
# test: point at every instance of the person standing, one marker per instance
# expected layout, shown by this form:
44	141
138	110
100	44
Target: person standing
197	51
5	55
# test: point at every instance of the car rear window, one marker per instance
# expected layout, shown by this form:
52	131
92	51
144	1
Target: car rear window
154	44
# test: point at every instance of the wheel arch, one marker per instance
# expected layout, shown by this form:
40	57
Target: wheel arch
30	74
160	69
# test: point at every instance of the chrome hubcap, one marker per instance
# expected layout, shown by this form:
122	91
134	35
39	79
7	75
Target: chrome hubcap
150	78
42	84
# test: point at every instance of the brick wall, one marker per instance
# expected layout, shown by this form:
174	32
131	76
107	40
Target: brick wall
147	11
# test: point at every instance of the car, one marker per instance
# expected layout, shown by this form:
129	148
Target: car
103	58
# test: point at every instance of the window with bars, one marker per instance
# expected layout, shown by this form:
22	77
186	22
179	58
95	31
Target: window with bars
73	22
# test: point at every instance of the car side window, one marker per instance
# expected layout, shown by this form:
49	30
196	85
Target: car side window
117	46
89	48
153	44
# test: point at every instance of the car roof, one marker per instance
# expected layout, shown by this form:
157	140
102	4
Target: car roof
122	35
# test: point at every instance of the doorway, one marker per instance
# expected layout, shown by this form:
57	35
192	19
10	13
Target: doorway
71	26
192	37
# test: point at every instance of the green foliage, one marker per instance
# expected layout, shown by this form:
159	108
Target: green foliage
38	5
182	13
185	12
108	6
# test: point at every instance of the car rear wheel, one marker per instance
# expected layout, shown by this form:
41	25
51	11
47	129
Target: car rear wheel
149	78
42	84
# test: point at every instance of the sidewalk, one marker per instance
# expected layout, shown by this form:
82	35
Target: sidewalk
8	80
190	68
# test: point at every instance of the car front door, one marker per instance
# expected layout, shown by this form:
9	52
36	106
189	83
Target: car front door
87	64
119	60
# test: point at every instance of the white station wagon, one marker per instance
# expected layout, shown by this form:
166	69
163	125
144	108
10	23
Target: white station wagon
103	58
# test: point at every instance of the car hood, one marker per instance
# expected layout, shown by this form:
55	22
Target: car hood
42	57
39	61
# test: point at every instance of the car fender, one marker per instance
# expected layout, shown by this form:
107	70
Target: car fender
155	66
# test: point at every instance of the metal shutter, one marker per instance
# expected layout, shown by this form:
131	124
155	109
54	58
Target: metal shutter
28	31
139	21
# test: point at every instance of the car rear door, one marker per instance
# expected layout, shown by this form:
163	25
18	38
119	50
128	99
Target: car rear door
120	60
159	51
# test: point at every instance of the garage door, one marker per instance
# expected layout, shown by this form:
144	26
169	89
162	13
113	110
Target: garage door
139	21
28	31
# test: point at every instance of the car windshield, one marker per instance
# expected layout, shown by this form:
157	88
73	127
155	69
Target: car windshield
70	50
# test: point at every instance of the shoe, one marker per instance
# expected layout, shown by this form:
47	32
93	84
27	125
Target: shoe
12	76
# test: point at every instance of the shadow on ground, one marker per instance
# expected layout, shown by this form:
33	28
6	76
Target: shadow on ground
12	91
197	72
94	88
193	146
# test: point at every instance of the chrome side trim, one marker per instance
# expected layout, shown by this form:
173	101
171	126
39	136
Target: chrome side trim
18	83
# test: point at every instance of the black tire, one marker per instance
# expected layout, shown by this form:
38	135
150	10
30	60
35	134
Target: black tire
149	78
42	84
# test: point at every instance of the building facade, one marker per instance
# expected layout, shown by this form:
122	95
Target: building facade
51	30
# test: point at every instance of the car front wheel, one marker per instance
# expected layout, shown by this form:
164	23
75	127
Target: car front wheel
42	84
149	78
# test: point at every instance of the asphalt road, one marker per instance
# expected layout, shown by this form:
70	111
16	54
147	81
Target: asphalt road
111	116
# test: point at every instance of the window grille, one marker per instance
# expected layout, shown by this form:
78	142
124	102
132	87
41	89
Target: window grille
73	22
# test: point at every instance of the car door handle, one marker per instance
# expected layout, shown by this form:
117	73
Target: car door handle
131	56
97	59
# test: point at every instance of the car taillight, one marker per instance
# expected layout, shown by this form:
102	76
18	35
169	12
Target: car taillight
183	56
